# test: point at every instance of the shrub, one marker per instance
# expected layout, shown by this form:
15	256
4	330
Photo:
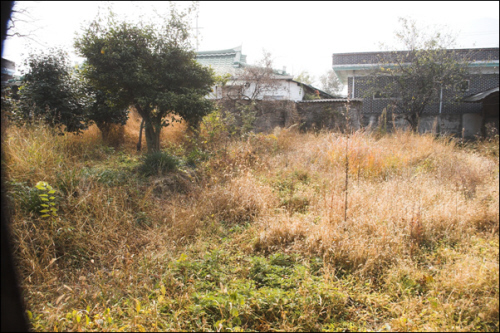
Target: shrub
158	163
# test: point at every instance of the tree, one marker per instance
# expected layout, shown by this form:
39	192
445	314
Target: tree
330	83
150	68
417	77
103	112
101	108
254	81
304	77
50	93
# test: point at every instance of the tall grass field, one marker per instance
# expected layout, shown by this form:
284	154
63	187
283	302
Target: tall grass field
285	231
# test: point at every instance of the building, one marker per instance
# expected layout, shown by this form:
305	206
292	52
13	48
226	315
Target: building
244	79
468	117
8	70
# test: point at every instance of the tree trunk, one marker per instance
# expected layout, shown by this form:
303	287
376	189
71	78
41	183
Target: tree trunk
105	130
139	144
152	136
152	129
413	121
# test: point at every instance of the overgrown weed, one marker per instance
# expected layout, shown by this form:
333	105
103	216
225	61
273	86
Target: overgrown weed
251	234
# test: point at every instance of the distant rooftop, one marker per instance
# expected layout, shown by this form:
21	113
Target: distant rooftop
222	61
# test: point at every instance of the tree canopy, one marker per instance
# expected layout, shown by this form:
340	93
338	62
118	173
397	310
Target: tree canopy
150	68
50	92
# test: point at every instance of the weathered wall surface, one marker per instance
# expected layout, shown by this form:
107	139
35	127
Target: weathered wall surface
328	114
261	116
311	115
264	116
468	125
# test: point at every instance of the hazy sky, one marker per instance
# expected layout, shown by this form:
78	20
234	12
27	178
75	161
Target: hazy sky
300	35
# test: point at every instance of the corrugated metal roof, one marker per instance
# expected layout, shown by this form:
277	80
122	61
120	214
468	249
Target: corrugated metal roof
477	98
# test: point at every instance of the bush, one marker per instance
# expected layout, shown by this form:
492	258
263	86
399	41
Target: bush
158	163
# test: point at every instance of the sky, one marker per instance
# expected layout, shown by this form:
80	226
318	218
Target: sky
301	36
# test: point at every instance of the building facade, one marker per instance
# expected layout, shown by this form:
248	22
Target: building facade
242	84
356	69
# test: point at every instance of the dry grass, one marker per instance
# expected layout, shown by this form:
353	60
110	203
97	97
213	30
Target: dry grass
418	250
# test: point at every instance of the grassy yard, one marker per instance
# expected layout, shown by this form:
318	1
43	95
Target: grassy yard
260	233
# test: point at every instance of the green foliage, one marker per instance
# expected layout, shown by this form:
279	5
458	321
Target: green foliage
273	272
151	68
195	156
248	117
274	288
40	199
287	186
158	163
46	194
102	109
26	196
304	77
109	177
50	93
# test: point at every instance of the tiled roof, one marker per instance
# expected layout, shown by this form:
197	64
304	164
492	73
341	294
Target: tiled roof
222	61
218	52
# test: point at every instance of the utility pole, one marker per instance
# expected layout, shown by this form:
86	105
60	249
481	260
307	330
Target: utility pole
197	31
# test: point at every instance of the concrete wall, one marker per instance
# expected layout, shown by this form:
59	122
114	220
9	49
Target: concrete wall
468	125
311	115
332	115
472	124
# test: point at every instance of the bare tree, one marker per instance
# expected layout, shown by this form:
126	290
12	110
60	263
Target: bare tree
330	83
22	24
243	92
254	82
416	78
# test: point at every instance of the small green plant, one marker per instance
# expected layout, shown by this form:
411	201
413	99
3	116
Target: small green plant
158	163
196	156
48	199
39	199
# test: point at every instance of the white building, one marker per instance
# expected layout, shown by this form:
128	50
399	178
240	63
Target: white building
241	84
